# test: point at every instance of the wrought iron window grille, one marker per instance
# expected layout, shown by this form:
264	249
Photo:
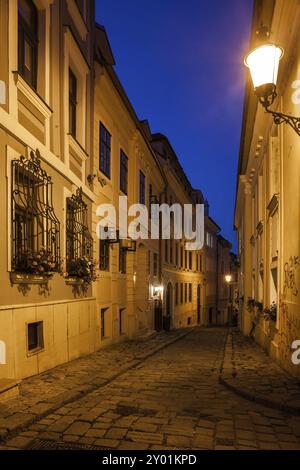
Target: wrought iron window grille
35	227
79	242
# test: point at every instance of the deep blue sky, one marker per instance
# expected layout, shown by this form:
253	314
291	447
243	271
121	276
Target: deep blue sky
181	64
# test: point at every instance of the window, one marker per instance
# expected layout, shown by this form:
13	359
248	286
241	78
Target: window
121	321
176	293
176	254
104	255
197	262
142	187
103	322
181	293
190	292
185	293
105	150
72	103
79	242
35	336
123	172
185	259
28	41
150	196
190	260
122	260
171	251
35	227
166	251
200	263
155	264
181	257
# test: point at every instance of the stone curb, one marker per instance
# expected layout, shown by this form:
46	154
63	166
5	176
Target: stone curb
68	397
248	394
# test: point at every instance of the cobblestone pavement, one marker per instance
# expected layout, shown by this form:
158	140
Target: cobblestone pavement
249	371
43	393
172	400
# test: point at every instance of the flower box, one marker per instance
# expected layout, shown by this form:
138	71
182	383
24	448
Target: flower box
20	278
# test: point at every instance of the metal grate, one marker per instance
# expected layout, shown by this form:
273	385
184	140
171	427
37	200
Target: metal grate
79	239
43	444
132	410
35	227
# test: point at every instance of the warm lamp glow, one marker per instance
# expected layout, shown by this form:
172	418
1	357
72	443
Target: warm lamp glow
228	278
263	63
157	290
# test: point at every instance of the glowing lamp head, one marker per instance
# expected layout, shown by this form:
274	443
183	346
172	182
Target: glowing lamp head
263	63
228	278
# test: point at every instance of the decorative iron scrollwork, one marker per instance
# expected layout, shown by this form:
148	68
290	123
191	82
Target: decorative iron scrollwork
35	227
79	240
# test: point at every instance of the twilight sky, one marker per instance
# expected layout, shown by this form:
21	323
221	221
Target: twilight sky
181	64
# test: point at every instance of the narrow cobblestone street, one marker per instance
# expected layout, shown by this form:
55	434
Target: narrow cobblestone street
170	400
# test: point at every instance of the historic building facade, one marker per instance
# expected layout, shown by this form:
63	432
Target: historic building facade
267	202
71	142
46	71
125	165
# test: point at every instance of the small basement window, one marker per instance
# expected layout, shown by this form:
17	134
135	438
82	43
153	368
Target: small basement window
35	336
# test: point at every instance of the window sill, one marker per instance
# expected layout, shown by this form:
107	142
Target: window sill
77	148
74	281
32	95
35	351
19	278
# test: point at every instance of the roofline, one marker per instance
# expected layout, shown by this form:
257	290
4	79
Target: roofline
123	95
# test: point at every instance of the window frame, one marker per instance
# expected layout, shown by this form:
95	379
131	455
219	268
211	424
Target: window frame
39	333
142	188
123	172
105	139
73	104
30	34
104	259
122	260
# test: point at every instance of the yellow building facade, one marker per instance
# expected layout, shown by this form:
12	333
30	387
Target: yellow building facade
45	319
267	203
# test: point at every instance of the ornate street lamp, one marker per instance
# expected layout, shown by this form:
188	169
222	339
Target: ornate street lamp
263	63
228	278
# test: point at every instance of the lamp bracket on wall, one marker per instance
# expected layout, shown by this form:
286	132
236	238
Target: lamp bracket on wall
100	180
280	118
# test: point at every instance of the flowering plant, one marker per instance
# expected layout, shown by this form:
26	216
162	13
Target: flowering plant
270	313
82	268
41	262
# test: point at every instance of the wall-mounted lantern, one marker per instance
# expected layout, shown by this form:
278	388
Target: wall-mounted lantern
263	63
157	291
128	244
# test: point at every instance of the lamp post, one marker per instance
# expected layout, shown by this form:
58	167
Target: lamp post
263	63
228	279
